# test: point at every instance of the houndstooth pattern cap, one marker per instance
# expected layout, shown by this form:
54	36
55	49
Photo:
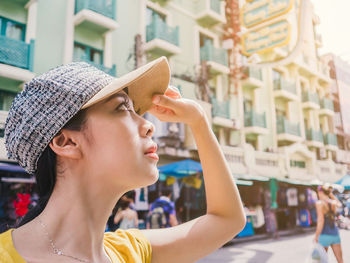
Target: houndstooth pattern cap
45	105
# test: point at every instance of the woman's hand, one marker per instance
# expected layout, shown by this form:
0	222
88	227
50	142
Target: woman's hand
316	239
171	107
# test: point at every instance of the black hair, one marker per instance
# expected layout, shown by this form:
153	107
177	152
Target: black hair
166	192
45	174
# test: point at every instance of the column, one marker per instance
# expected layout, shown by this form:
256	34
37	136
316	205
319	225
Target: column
107	52
69	37
32	7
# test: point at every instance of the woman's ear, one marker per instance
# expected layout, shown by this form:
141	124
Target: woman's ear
65	144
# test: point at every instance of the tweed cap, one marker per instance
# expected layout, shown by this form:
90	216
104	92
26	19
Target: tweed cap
50	100
45	105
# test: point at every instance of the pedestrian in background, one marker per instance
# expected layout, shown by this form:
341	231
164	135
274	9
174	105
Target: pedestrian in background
327	233
161	208
126	217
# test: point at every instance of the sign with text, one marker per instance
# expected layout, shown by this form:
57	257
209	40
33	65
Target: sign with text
255	12
266	38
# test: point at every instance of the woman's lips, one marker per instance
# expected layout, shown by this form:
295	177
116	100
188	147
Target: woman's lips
152	155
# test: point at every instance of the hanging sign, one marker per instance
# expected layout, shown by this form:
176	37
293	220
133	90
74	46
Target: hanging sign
266	38
255	12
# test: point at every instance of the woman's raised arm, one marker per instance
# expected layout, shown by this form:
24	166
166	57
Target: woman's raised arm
225	216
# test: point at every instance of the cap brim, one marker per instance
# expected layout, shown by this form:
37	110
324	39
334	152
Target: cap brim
144	82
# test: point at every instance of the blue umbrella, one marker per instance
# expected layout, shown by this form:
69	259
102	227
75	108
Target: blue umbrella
181	169
345	181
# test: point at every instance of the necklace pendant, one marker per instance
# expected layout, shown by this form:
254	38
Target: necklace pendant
57	251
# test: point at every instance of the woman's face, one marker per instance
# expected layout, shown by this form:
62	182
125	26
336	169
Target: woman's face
118	148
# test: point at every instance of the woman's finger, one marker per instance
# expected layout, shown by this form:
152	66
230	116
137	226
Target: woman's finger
173	92
165	101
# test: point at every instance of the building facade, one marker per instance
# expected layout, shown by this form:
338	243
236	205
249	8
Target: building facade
278	124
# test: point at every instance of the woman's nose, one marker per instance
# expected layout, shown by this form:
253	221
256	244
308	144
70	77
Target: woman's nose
147	129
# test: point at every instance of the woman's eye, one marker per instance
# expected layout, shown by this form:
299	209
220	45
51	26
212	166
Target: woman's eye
124	106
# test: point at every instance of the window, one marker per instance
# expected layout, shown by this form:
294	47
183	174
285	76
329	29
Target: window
276	76
86	53
203	39
299	164
12	29
6	99
248	105
151	15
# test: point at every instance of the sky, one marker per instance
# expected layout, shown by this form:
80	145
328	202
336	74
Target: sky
334	26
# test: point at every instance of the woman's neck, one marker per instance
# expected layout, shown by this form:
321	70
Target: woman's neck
75	218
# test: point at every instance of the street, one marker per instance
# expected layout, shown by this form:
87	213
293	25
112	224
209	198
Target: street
293	249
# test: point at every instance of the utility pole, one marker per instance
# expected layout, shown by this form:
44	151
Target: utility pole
138	51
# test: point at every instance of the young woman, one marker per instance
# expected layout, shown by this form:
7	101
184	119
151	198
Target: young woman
81	133
126	216
327	233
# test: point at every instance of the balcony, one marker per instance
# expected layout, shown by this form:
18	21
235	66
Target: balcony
216	58
328	171
268	164
111	71
161	2
98	15
16	59
210	13
285	89
314	138
235	159
162	40
311	100
252	78
327	107
288	131
255	123
221	113
16	53
330	141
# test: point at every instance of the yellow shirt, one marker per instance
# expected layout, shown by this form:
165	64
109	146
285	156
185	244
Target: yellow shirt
122	246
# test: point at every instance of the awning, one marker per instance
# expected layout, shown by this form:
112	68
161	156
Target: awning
293	181
345	182
253	177
243	182
18	180
181	169
5	167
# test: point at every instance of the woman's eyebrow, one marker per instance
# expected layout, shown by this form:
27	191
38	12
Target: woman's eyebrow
117	95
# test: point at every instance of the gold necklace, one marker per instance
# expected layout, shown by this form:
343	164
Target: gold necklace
59	252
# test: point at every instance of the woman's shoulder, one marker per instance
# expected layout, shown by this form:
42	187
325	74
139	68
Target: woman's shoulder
130	245
8	254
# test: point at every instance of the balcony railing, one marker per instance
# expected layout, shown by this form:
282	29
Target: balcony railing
16	53
253	119
330	139
215	5
313	135
111	71
104	7
284	84
159	29
309	96
327	104
252	72
220	108
285	126
209	53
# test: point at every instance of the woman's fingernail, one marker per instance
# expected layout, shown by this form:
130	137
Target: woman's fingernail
156	99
